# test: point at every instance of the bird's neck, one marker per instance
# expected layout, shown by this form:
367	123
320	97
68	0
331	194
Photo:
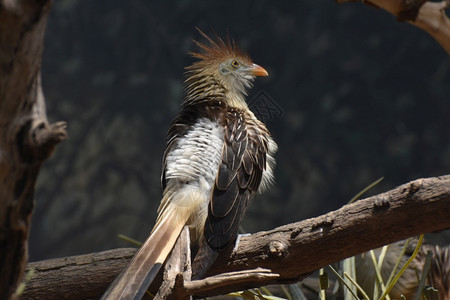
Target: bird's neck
202	89
236	99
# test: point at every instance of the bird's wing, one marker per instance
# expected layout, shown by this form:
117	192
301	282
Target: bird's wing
239	176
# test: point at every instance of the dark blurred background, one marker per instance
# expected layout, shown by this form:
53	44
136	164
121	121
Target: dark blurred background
359	96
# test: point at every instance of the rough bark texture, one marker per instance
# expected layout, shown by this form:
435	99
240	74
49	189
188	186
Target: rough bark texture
76	277
426	15
292	251
26	138
177	269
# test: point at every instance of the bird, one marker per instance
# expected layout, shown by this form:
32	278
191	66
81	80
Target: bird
218	156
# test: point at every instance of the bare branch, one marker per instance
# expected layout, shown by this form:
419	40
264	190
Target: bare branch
232	279
293	251
426	15
76	277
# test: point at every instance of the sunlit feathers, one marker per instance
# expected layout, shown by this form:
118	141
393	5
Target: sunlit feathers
222	73
217	51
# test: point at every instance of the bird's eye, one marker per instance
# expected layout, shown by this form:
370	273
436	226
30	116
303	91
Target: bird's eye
235	63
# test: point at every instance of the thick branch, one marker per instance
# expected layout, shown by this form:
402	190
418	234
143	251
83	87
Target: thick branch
295	250
26	138
76	277
426	15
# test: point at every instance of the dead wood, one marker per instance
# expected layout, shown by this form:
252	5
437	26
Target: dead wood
26	137
288	253
426	15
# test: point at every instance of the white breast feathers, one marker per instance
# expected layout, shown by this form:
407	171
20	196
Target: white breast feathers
195	157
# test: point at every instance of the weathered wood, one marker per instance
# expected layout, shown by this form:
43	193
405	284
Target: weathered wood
292	251
245	279
76	277
427	15
26	137
177	269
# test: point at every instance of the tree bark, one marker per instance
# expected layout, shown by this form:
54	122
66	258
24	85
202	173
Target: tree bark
177	269
27	140
26	137
426	15
76	277
287	253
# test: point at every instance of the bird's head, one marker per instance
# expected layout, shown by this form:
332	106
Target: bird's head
222	69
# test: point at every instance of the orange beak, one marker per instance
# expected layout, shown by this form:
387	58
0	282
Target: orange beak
257	70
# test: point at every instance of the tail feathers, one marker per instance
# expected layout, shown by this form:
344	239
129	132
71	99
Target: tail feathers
133	282
203	260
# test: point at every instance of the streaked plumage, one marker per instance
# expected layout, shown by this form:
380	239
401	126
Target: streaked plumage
218	155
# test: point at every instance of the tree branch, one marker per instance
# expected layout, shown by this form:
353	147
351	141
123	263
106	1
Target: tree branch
426	15
76	277
290	252
26	138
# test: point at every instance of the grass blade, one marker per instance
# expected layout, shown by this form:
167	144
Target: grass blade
391	285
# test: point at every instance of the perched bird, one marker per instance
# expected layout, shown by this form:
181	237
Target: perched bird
218	155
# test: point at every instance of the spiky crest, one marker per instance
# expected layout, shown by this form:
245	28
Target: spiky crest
204	81
217	51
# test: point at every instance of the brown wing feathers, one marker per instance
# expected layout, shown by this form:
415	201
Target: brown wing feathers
238	177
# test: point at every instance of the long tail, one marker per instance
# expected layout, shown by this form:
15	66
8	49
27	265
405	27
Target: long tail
143	268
